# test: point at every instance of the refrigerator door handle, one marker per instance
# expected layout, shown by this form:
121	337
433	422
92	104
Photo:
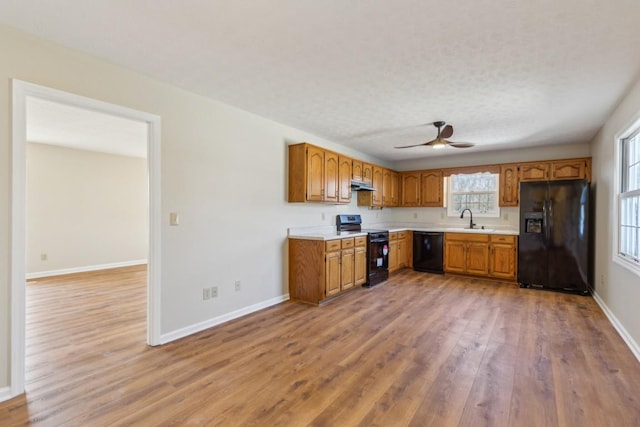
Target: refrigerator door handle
545	223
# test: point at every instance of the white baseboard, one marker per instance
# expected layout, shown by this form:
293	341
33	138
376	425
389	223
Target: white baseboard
631	343
189	330
5	393
62	271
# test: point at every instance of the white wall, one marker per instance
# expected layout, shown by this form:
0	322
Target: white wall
223	170
616	286
84	209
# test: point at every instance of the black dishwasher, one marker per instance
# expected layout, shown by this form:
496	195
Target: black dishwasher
427	251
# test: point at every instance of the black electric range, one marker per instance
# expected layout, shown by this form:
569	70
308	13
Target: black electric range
377	247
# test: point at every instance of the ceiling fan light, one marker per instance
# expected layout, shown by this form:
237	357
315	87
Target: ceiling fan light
438	144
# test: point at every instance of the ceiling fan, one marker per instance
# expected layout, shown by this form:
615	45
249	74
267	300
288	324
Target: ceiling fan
440	141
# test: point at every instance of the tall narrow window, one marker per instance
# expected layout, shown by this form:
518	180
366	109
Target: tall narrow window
629	199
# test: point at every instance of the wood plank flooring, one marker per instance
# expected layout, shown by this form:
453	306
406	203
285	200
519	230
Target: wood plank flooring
419	350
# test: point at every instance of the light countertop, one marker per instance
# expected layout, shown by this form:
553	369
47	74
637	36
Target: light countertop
330	233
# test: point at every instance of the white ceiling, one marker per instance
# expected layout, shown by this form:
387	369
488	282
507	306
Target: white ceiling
58	124
370	74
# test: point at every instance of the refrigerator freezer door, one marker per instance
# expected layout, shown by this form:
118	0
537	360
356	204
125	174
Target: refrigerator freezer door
568	242
532	252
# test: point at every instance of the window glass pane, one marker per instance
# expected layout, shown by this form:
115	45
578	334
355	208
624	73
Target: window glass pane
478	192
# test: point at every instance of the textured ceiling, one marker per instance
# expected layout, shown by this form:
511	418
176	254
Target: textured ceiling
57	124
370	74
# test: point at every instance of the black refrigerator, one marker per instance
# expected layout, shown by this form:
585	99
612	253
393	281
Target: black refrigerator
553	247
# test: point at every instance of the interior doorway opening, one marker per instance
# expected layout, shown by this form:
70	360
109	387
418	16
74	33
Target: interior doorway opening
22	92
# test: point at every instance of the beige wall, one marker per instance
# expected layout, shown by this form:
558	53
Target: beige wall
223	170
84	208
617	286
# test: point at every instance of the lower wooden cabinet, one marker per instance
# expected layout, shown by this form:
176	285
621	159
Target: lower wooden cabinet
319	270
360	262
486	255
466	253
503	257
399	250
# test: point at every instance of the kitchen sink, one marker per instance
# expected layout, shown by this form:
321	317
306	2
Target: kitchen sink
469	230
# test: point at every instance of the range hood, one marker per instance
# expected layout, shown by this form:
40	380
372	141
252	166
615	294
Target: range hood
361	186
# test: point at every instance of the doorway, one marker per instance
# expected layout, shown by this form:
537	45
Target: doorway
22	91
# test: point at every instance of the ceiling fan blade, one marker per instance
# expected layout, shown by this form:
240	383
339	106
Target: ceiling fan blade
461	144
447	131
414	145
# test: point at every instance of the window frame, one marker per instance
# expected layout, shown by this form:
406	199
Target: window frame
449	194
618	257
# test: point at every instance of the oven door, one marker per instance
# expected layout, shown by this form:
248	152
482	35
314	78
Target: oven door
378	267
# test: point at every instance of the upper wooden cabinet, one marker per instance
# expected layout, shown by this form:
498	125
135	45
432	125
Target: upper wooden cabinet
534	172
389	188
373	198
314	175
556	170
356	172
409	189
319	175
330	177
431	188
571	169
367	173
344	179
509	180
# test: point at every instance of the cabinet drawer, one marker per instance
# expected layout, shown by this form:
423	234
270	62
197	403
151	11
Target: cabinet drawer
467	237
348	243
361	241
501	238
393	236
332	245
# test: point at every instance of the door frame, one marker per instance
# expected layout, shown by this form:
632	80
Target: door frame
20	91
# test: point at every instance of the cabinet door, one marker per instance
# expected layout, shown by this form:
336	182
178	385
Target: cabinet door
344	180
315	174
347	269
402	251
568	169
332	273
454	256
330	177
378	185
356	173
360	265
431	188
367	173
503	260
534	172
394	192
389	188
478	258
393	255
509	180
410	189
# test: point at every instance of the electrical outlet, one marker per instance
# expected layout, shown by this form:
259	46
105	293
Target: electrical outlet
238	285
602	279
415	215
43	257
323	216
441	215
206	293
214	292
506	216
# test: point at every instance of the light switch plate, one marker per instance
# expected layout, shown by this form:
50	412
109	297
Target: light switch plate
174	219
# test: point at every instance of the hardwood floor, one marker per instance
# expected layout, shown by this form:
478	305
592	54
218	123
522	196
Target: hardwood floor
419	350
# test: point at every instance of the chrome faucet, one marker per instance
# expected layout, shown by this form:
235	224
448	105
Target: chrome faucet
471	224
